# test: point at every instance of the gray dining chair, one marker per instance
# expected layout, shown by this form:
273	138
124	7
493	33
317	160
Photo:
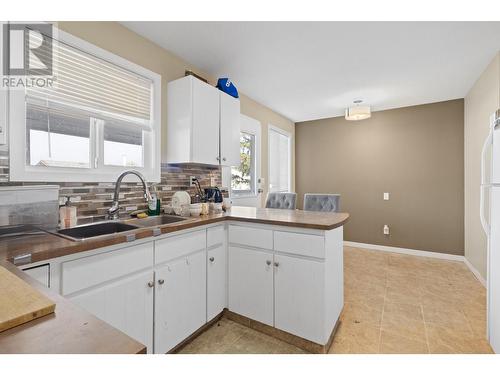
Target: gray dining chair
286	201
322	202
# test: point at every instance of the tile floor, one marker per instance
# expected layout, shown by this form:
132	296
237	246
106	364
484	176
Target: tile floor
394	303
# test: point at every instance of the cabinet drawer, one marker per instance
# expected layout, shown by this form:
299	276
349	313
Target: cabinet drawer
89	271
40	273
215	236
300	244
177	246
256	237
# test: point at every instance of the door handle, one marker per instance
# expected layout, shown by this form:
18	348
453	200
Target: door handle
268	262
211	259
151	284
276	264
223	159
161	281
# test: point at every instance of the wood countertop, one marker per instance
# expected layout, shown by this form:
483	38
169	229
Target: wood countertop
72	330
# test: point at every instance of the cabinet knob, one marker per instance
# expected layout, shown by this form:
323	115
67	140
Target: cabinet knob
151	284
268	262
161	281
217	158
223	159
211	259
276	264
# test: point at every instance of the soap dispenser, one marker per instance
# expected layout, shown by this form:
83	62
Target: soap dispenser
67	214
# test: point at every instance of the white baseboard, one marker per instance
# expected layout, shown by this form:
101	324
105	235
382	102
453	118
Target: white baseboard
476	273
402	250
420	253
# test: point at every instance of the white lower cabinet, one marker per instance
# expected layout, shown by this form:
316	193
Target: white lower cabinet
216	281
180	300
251	283
126	304
298	296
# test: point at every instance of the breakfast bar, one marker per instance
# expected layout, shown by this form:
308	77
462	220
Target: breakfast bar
255	266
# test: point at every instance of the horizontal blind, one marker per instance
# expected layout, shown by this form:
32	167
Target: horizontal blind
279	162
93	84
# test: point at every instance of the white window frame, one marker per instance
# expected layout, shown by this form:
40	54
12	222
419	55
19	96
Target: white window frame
289	136
253	175
20	170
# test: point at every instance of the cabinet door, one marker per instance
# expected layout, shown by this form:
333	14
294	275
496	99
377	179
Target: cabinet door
251	284
229	130
205	132
216	281
298	296
40	273
126	304
180	300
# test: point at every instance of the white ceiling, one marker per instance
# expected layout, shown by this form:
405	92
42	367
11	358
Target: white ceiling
311	70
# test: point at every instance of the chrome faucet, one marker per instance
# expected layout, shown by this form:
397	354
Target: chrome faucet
115	207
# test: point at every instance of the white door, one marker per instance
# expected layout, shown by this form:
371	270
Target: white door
249	195
229	130
205	136
216	281
126	304
494	271
298	297
180	300
495	161
251	284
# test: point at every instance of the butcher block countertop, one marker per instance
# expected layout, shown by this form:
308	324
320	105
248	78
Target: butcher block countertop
72	330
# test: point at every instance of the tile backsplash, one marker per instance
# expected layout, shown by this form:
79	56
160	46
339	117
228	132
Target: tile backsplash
93	199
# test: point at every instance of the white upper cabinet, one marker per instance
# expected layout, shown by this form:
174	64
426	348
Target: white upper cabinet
229	130
203	124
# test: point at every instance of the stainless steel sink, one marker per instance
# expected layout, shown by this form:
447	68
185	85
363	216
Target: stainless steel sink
153	221
94	230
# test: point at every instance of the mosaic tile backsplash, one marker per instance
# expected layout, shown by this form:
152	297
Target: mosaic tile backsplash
93	199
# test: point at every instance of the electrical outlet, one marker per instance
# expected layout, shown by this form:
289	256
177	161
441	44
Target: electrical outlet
386	196
192	180
386	229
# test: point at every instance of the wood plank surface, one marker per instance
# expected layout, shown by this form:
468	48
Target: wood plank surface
20	302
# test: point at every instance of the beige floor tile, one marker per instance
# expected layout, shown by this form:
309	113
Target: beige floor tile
444	340
394	303
356	338
392	343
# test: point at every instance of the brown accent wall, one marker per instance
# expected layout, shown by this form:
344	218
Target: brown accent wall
414	153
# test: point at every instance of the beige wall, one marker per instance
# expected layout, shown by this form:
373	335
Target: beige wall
481	101
119	40
414	153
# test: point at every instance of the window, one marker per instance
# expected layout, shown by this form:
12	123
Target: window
279	160
243	177
100	117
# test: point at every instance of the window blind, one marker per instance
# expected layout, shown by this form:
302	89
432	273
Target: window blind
279	162
93	84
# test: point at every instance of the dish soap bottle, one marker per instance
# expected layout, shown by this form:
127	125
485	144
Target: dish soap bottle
154	205
67	214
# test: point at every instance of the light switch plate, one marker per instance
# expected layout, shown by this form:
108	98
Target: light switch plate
386	196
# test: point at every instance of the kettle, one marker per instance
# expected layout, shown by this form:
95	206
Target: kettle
213	193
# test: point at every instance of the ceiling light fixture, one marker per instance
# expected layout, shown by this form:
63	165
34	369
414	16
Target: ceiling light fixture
358	112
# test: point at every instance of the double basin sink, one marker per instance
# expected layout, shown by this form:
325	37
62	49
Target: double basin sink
83	232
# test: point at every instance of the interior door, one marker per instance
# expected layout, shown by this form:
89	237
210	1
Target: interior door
494	271
253	199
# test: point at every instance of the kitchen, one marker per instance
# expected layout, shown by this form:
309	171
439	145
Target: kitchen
150	204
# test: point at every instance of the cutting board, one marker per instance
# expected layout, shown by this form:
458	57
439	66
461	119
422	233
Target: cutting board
20	302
